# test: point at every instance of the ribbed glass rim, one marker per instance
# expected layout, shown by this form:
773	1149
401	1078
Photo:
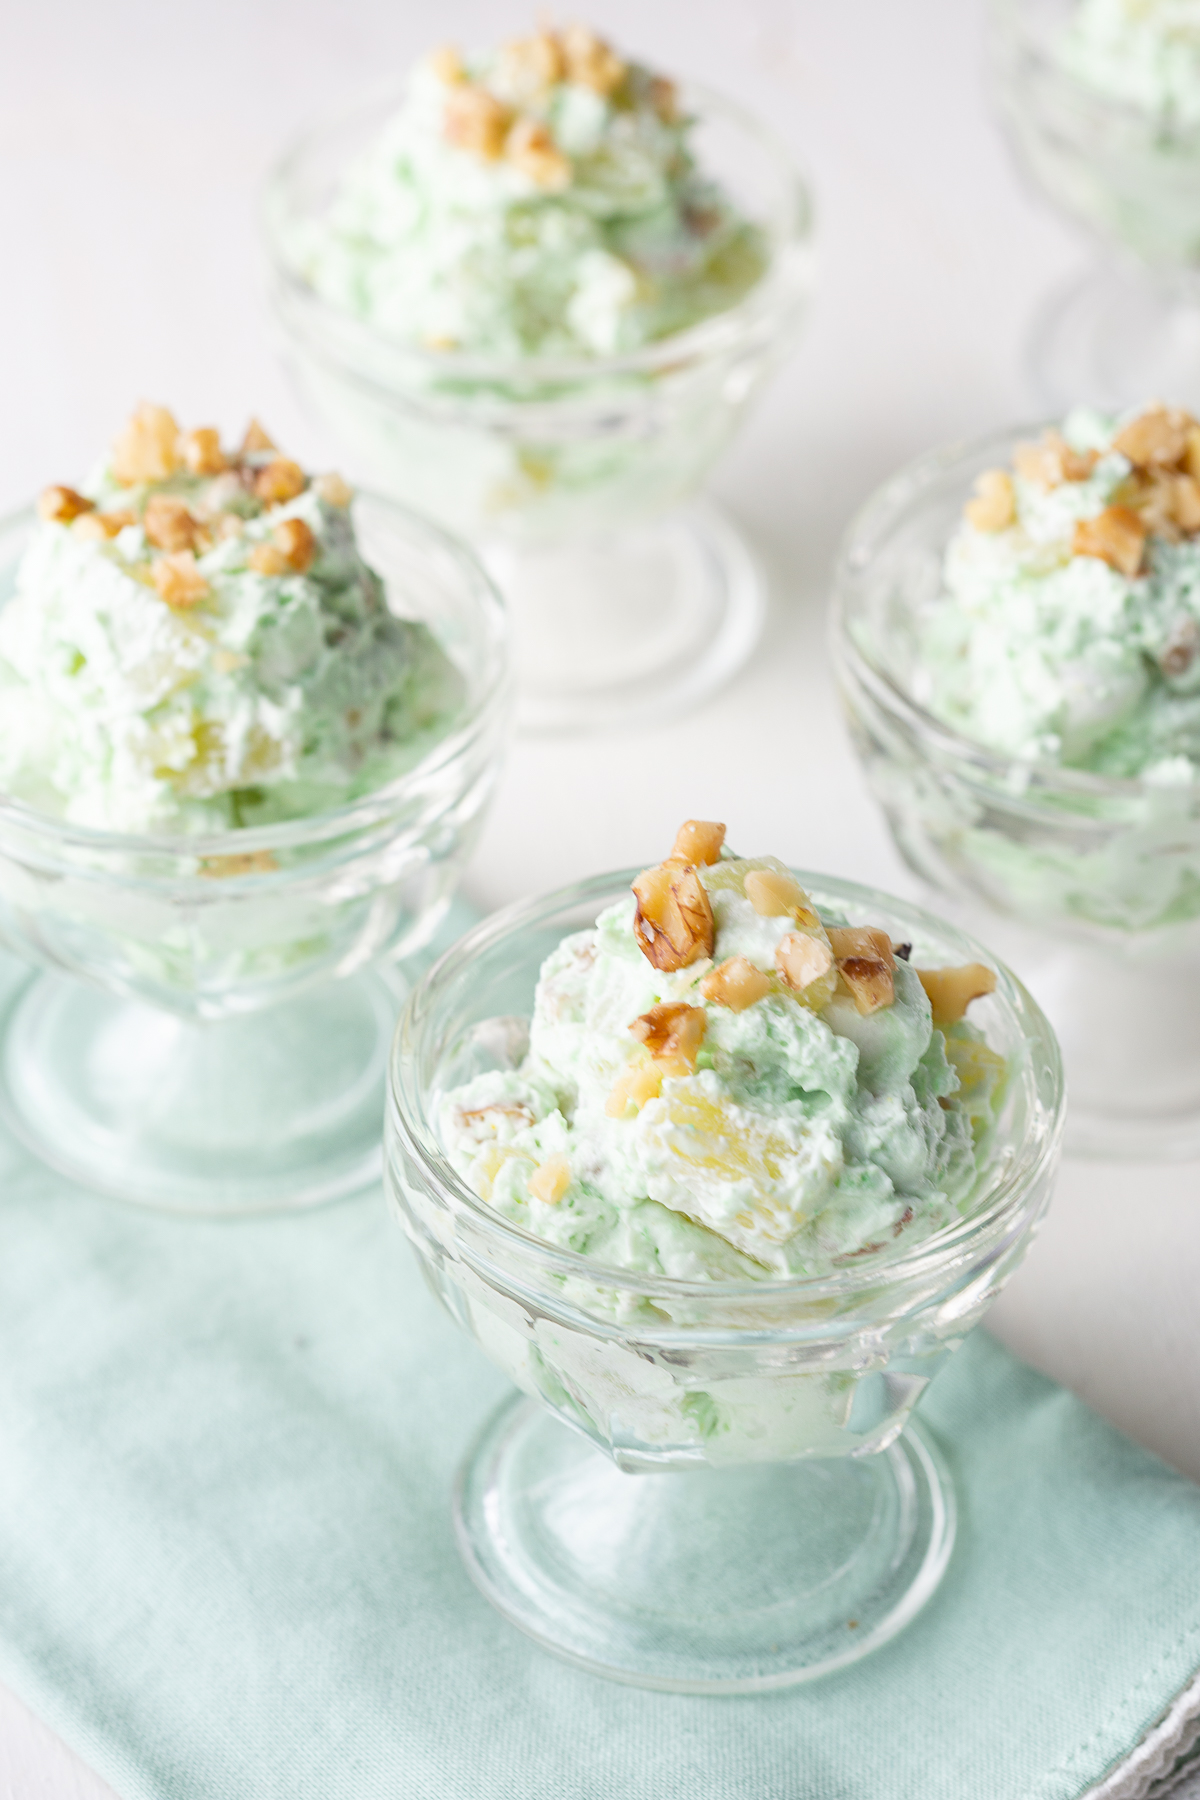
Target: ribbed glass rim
769	294
1022	778
995	1205
319	827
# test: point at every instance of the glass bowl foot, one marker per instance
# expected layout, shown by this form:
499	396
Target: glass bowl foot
705	1581
267	1111
1116	337
636	625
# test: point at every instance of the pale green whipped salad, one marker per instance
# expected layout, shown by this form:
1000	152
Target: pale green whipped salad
539	200
194	643
1068	622
722	1084
1145	53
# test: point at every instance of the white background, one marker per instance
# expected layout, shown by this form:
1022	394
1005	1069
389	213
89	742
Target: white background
133	136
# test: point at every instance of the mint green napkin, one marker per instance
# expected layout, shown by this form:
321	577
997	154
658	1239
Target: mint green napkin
227	1569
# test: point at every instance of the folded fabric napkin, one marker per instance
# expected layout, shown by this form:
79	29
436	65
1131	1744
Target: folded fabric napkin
227	1567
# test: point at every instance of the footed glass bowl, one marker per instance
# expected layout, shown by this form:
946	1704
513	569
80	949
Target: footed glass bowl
1089	885
575	479
1129	326
213	1031
712	1485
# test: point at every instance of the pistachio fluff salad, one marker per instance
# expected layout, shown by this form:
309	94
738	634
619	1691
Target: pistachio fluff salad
1068	624
722	1083
195	642
1144	53
537	200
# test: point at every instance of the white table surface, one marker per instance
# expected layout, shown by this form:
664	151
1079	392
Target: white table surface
132	138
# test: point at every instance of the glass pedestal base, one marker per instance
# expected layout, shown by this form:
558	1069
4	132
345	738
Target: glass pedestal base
632	626
264	1112
1116	337
710	1581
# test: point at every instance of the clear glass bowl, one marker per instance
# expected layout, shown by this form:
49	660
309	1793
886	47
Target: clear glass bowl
811	1524
572	477
1128	328
1090	886
212	1035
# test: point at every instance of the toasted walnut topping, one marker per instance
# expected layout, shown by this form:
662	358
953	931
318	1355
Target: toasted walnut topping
202	453
994	505
698	841
168	523
297	542
256	439
951	991
268	559
243	862
590	62
1051	461
281	480
1117	536
447	64
97	527
1152	497
527	66
865	962
148	448
475	120
673	921
1179	652
638	1082
333	490
62	504
1185	502
663	96
1158	438
673	1033
802	960
530	148
736	983
178	580
777	896
550	1180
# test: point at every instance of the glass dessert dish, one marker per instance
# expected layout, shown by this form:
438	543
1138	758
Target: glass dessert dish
575	472
1088	883
1103	113
212	1031
709	1483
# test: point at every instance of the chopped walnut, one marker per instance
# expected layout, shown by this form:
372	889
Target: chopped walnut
62	504
168	524
148	447
1151	496
528	66
331	489
951	991
673	921
178	579
98	527
639	1081
297	542
698	841
866	964
1185	503
550	1180
590	61
475	120
777	896
1117	536
1157	439
736	983
1051	461
255	440
281	480
202	453
530	148
993	506
802	959
673	1033
1179	651
447	64
243	862
268	559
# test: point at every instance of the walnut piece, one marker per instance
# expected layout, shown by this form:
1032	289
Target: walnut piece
993	507
590	62
1157	438
98	527
673	920
281	480
1117	536
698	841
530	148
528	66
255	439
475	120
148	447
802	959
673	1033
1051	461
268	559
168	524
1185	503
62	504
776	896
736	983
178	579
866	964
332	490
951	991
202	453
550	1180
